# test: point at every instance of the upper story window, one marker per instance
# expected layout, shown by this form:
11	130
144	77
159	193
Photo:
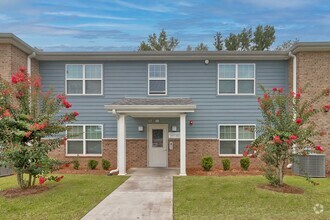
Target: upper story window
84	79
234	138
157	79
236	79
84	140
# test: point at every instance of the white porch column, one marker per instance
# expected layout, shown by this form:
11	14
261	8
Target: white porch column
183	145
121	145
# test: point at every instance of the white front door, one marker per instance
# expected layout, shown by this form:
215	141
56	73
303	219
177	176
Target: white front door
157	145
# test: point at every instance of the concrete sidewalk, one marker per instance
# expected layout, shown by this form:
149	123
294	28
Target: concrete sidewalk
147	194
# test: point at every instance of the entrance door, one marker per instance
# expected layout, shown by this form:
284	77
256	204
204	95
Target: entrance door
157	145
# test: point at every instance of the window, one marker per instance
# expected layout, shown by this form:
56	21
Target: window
84	79
234	138
157	79
84	140
236	79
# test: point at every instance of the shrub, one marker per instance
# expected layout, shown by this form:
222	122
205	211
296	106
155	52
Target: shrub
76	164
105	164
226	164
245	163
92	164
207	163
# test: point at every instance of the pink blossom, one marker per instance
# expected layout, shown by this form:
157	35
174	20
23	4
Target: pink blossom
293	137
319	148
299	120
277	139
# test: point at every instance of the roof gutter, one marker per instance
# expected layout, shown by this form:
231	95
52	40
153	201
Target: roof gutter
294	71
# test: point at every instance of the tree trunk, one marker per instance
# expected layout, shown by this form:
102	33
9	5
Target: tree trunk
20	180
280	172
30	180
34	180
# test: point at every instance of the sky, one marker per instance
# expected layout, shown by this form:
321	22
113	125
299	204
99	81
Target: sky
119	25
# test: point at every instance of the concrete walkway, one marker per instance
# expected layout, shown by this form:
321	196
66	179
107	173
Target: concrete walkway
147	194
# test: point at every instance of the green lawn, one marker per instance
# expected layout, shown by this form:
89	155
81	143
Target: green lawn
238	198
71	198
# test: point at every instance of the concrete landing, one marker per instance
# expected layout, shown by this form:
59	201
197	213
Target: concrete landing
147	194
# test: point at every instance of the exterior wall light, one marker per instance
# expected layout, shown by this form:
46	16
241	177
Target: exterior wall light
140	128
191	122
206	62
173	128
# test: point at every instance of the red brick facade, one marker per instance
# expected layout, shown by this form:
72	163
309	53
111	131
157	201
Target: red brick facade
11	58
136	153
314	68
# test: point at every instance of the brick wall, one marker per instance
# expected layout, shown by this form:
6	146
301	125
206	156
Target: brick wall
136	154
5	61
11	58
314	68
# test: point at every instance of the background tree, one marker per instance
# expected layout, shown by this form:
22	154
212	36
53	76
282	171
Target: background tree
286	45
189	48
232	42
160	43
201	47
245	39
285	123
27	115
218	41
264	37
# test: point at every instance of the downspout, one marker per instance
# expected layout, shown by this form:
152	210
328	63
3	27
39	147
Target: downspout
294	62
294	88
29	72
29	62
115	170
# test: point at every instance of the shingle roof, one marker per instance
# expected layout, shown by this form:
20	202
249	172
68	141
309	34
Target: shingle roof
154	101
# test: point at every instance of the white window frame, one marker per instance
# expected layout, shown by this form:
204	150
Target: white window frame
236	79
151	78
84	140
83	80
237	138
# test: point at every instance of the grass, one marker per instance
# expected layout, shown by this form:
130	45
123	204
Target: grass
231	197
71	198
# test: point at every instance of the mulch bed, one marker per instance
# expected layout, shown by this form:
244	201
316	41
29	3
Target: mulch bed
221	172
16	192
283	189
69	170
232	172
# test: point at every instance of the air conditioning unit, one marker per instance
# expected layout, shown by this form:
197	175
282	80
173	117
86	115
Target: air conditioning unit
311	165
5	171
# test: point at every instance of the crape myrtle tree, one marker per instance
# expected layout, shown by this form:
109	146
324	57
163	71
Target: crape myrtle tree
286	128
27	116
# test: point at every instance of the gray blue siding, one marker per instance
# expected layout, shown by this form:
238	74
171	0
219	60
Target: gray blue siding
191	79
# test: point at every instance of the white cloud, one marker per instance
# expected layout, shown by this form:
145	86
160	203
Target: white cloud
155	8
280	4
115	25
7	19
85	15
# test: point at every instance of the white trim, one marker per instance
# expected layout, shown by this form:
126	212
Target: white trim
183	145
121	145
150	78
236	79
83	79
236	139
84	140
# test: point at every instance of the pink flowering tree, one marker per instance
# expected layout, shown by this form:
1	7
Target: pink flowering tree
28	116
286	128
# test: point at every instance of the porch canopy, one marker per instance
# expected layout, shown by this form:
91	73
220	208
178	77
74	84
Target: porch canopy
147	108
